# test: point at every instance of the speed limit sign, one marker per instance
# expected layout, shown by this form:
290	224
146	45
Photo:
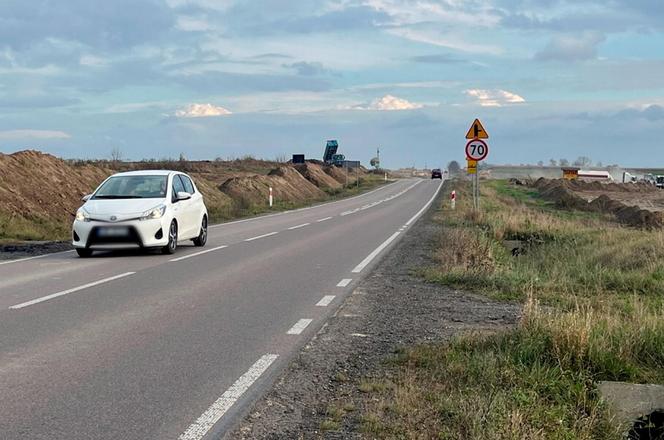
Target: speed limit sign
477	149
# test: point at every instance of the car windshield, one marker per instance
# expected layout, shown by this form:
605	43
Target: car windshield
133	187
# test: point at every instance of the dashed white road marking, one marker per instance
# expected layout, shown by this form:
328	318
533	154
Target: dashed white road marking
299	226
207	420
261	236
378	202
325	301
199	253
65	292
375	253
299	327
344	282
33	258
323	219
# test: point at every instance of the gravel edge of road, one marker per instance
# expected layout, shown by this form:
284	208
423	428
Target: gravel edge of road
390	309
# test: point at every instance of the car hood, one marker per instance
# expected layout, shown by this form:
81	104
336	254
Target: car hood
120	208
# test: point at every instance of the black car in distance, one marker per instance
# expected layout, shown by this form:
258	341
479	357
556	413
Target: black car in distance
436	173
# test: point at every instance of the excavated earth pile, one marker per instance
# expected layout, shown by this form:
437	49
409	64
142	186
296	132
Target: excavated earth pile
596	197
316	175
41	186
287	185
40	193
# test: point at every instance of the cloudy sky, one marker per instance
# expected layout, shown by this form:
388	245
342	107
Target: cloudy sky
225	78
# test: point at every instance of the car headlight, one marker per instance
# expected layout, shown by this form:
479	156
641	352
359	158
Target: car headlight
82	215
154	213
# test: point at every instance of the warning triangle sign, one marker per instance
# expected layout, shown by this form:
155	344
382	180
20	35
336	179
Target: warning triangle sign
477	131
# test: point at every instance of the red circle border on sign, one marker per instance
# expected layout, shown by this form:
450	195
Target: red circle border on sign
486	149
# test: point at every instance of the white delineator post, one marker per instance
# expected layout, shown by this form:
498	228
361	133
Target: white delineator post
386	177
453	199
270	199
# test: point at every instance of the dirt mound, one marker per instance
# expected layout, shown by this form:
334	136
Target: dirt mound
336	173
629	215
639	187
41	186
40	193
558	192
562	193
316	175
287	185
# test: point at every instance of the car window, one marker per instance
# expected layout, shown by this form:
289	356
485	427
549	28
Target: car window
177	186
133	187
188	186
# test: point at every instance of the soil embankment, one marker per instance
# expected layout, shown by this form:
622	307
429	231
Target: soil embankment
633	204
40	193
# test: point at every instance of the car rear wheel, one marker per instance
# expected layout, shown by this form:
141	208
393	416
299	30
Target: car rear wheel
172	239
84	253
202	236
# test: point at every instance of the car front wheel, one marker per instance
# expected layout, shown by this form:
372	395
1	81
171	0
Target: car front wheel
172	239
84	253
202	236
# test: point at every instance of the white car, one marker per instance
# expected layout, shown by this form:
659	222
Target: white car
141	209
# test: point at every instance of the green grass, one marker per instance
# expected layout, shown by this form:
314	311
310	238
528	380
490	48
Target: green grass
593	310
13	228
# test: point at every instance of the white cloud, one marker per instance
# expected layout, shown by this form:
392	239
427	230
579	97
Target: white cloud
201	111
494	98
33	134
388	103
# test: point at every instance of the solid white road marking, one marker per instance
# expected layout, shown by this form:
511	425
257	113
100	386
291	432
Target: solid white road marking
424	208
75	289
299	327
344	282
325	301
261	236
299	226
202	425
323	219
376	251
199	253
33	258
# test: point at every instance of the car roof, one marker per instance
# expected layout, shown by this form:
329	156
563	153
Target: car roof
147	173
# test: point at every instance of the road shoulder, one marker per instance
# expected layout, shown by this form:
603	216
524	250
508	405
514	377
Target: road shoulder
320	393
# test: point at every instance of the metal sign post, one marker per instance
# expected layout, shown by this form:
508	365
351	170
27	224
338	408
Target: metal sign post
476	151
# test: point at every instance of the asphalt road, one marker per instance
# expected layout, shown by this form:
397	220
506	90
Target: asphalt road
149	346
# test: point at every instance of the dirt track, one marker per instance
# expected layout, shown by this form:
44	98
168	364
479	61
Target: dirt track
390	309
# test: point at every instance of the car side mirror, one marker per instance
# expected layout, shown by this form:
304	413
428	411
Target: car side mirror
86	197
183	195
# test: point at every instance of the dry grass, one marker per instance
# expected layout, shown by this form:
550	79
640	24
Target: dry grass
593	310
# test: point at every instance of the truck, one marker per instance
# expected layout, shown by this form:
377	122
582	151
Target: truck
659	181
330	157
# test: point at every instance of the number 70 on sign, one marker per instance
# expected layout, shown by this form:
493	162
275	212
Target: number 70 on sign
477	150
